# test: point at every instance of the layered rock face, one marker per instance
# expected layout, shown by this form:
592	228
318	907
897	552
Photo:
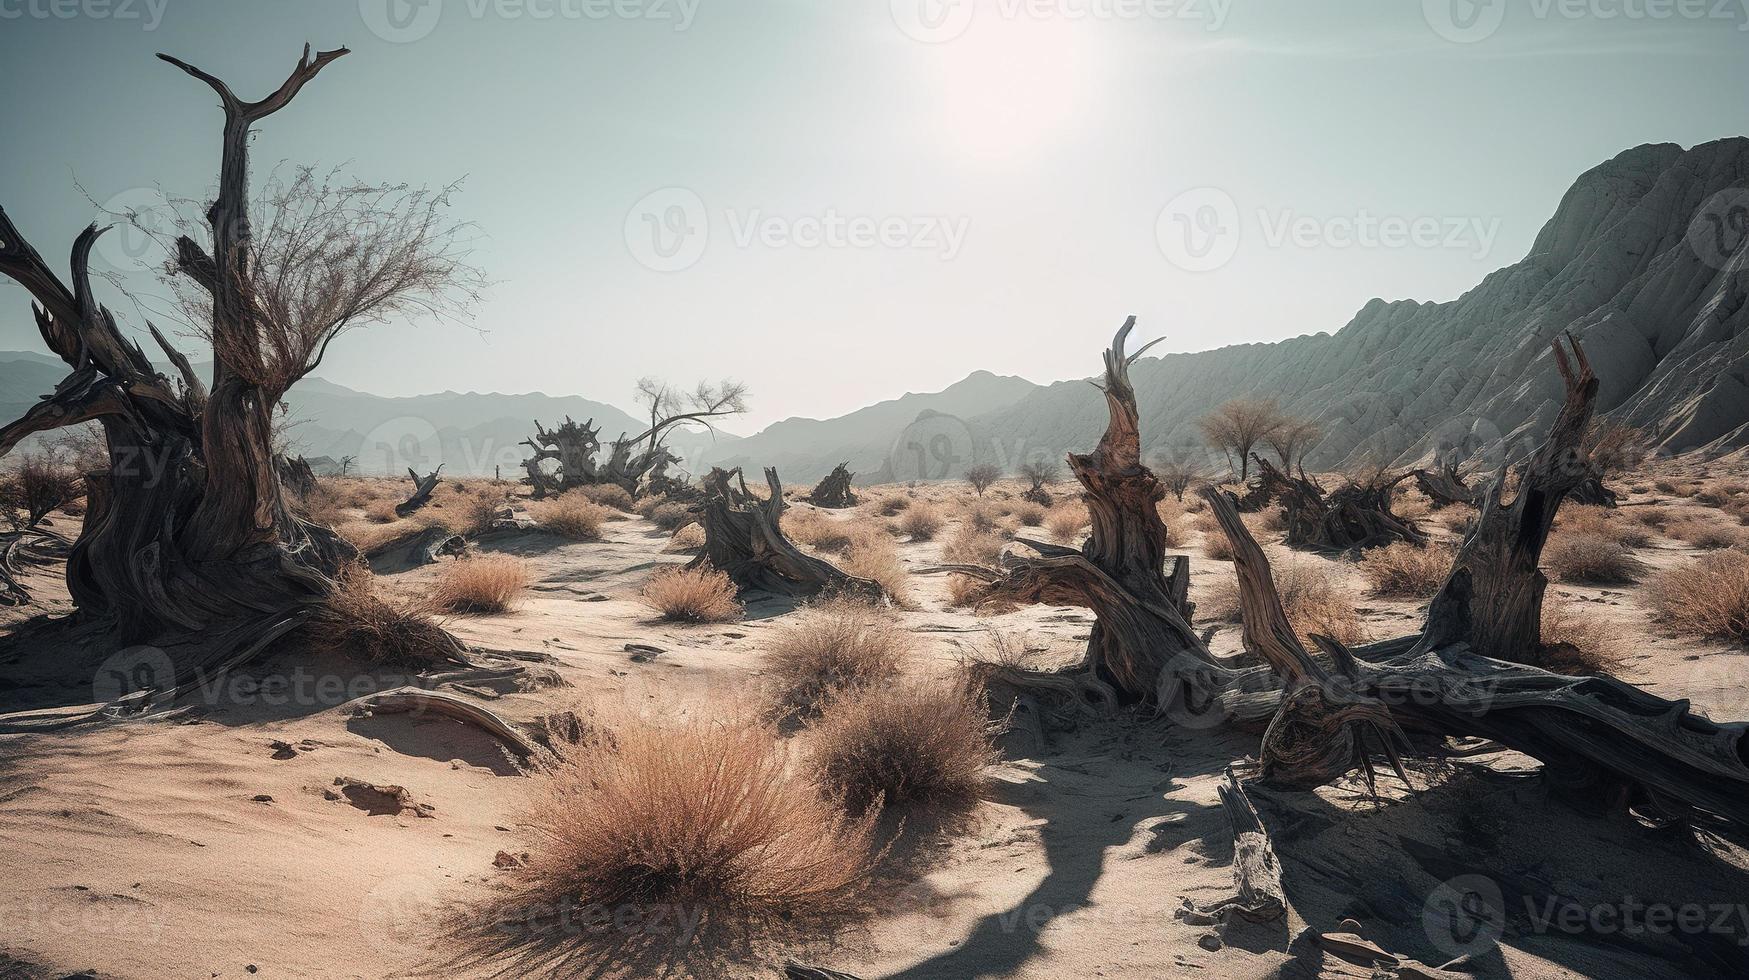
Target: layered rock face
1645	261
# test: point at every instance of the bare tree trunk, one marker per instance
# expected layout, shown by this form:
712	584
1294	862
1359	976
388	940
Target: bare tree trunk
422	487
1142	616
1356	516
187	541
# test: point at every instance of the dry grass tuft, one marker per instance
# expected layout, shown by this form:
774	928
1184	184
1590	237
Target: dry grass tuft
914	745
1066	519
834	645
1029	514
815	529
380	630
1604	523
1576	644
692	595
1706	597
1401	570
970	546
381	511
486	584
1705	533
700	817
1214	540
572	515
870	554
921	522
607	495
1313	596
688	538
1591	559
671	517
891	506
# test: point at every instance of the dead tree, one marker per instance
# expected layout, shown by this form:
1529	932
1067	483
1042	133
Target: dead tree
1355	516
834	490
188	543
744	538
1119	572
1445	485
1039	472
1599	739
422	487
1271	485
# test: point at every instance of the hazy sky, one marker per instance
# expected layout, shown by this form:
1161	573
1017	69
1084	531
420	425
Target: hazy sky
839	201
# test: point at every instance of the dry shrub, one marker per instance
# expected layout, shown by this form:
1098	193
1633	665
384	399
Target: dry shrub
381	511
1705	533
692	595
1592	559
813	528
1574	643
870	554
970	546
688	538
913	745
1066	520
323	506
571	515
891	506
1412	505
1652	517
695	817
607	495
1272	520
480	510
1314	598
1706	597
670	517
981	518
1402	570
1602	522
1214	540
1029	514
921	522
834	645
485	584
379	630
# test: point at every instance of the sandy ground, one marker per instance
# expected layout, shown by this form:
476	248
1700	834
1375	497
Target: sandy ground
221	841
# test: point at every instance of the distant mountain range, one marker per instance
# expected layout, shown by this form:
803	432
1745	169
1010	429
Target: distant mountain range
1646	261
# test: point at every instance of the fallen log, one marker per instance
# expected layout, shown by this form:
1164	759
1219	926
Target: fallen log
1256	870
1445	486
1354	517
404	700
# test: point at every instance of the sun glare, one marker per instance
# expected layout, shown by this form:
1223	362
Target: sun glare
1008	87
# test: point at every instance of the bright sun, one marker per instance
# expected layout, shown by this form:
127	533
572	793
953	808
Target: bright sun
1007	86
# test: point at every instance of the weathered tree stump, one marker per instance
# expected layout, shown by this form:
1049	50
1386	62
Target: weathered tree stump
1142	614
1355	516
744	538
834	491
422	487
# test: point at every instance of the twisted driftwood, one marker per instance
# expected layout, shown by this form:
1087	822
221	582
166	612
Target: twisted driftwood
744	538
1445	485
